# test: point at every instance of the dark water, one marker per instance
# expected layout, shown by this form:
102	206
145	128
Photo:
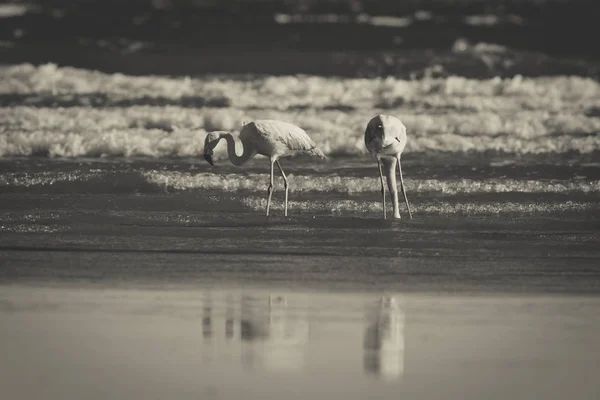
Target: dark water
152	222
335	38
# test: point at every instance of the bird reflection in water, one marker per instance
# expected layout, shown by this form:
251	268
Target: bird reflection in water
220	331
230	330
384	339
207	318
264	332
274	335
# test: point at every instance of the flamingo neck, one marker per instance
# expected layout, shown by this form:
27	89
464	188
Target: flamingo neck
247	153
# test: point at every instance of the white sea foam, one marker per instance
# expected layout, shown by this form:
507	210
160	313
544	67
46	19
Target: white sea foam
256	182
29	179
32	228
126	143
118	115
33	216
334	183
311	91
427	207
180	132
14	10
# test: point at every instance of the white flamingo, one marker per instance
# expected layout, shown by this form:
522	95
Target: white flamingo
385	138
270	138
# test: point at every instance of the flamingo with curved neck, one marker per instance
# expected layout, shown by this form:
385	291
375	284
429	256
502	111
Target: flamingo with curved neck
270	138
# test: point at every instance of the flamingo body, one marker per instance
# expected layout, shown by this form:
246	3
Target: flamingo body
385	139
275	139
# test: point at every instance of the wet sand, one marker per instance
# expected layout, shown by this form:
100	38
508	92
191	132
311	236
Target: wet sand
74	341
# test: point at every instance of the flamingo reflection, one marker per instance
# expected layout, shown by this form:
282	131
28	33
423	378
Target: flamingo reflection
264	332
276	336
384	340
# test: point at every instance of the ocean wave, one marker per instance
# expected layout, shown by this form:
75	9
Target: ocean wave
66	112
333	183
281	92
154	180
172	132
153	143
426	207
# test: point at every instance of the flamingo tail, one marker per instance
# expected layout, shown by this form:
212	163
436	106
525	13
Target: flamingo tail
317	152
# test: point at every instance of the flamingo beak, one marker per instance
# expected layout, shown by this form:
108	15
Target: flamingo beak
208	158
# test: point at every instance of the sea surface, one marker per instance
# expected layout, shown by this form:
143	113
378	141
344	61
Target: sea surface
476	217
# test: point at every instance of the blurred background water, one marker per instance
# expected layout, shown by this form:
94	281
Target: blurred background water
338	37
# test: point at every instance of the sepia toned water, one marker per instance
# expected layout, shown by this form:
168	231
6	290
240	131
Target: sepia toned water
131	269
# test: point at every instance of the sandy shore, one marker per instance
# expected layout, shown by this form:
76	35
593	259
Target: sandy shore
252	343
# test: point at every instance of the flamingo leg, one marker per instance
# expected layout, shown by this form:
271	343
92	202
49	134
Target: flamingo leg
382	187
403	189
270	188
285	184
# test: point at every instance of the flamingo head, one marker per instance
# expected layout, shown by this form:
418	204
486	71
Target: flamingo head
211	141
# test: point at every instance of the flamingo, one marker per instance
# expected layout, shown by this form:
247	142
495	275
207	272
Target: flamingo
385	138
270	138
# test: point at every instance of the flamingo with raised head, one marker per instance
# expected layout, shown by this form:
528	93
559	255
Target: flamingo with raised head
385	138
270	138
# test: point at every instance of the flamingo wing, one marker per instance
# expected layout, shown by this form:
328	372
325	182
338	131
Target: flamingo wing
291	136
394	130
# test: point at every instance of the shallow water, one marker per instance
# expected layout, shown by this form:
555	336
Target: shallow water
111	221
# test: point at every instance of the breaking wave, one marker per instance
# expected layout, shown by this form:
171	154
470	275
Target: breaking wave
257	182
45	84
427	207
66	112
154	180
156	143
